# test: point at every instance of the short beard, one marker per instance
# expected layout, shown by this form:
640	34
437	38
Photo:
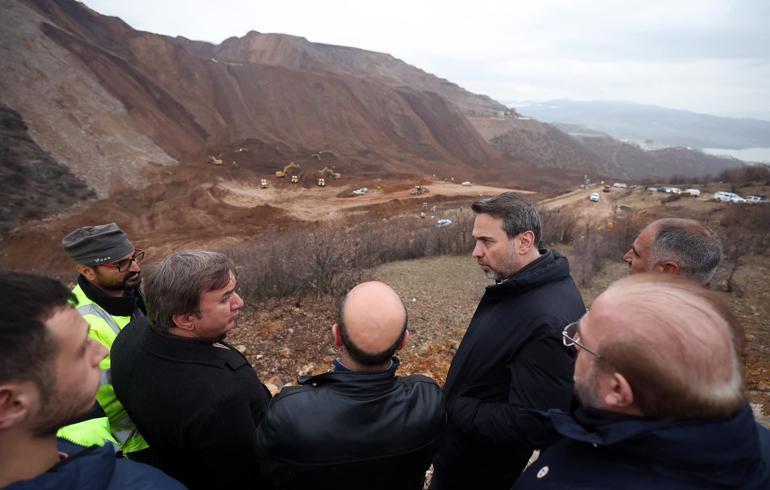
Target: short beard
56	411
585	389
122	285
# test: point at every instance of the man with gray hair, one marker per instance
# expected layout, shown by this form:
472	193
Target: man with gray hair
511	356
659	377
193	396
678	246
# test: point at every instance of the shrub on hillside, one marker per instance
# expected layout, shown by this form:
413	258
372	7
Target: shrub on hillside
331	258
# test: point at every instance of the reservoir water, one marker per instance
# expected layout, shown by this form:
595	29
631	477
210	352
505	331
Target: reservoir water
746	154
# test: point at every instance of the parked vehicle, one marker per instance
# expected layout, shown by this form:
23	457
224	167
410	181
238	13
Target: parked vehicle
652	189
725	196
443	222
467	184
761	199
361	191
594	197
692	192
672	190
606	189
620	185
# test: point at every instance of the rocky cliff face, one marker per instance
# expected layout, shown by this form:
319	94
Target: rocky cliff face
32	183
114	105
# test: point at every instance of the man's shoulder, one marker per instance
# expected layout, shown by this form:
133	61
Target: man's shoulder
130	474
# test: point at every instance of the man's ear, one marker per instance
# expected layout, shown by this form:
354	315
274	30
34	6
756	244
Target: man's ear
337	336
185	322
619	397
15	402
526	241
668	266
403	342
86	271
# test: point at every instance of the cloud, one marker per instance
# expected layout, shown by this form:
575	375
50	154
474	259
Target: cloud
705	55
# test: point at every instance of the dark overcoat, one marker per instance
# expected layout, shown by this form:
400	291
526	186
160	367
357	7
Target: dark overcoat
512	357
197	405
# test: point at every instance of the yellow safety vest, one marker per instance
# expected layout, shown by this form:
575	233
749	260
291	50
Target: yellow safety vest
104	329
91	432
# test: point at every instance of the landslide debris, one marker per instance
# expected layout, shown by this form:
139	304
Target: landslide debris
32	184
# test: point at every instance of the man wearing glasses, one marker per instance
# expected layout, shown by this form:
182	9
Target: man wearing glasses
663	406
108	296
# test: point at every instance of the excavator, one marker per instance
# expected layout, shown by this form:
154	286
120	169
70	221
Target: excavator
327	172
286	170
215	161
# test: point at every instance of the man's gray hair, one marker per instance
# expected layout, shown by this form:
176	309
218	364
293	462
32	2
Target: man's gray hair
175	285
518	215
692	245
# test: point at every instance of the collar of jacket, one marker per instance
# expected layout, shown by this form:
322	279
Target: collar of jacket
697	443
184	351
550	266
121	306
384	377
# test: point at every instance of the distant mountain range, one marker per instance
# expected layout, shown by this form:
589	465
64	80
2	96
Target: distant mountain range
648	122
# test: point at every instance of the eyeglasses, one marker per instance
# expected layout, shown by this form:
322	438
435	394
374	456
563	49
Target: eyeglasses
571	336
124	264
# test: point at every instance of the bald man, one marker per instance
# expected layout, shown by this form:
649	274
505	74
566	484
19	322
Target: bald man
358	426
677	246
660	382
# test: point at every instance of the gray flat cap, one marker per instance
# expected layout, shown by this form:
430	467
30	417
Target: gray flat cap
96	245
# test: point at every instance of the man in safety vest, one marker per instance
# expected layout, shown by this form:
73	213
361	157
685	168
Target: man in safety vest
108	297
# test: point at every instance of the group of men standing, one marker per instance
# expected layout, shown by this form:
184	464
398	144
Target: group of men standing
643	390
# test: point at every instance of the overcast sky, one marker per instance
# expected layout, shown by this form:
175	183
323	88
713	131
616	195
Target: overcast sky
710	56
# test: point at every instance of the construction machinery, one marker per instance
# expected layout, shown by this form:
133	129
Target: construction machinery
215	161
290	168
329	172
418	189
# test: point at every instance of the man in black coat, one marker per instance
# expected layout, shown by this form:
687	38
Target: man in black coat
659	378
360	426
195	399
512	355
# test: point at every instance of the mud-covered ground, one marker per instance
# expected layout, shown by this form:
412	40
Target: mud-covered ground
285	338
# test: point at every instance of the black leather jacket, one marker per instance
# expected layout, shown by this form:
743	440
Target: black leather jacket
347	430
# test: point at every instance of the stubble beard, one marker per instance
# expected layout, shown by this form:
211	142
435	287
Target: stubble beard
585	389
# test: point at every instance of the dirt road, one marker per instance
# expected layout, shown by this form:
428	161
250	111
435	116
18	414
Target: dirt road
317	203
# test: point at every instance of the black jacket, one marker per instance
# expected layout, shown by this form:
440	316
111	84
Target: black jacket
638	454
511	357
352	430
197	406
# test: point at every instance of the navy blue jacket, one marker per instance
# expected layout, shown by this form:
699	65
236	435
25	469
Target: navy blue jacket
97	468
640	454
511	357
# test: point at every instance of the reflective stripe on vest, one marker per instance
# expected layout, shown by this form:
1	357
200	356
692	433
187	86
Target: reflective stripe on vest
124	435
92	309
106	378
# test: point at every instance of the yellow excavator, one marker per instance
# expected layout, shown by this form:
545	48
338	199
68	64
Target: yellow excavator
215	161
329	172
286	170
